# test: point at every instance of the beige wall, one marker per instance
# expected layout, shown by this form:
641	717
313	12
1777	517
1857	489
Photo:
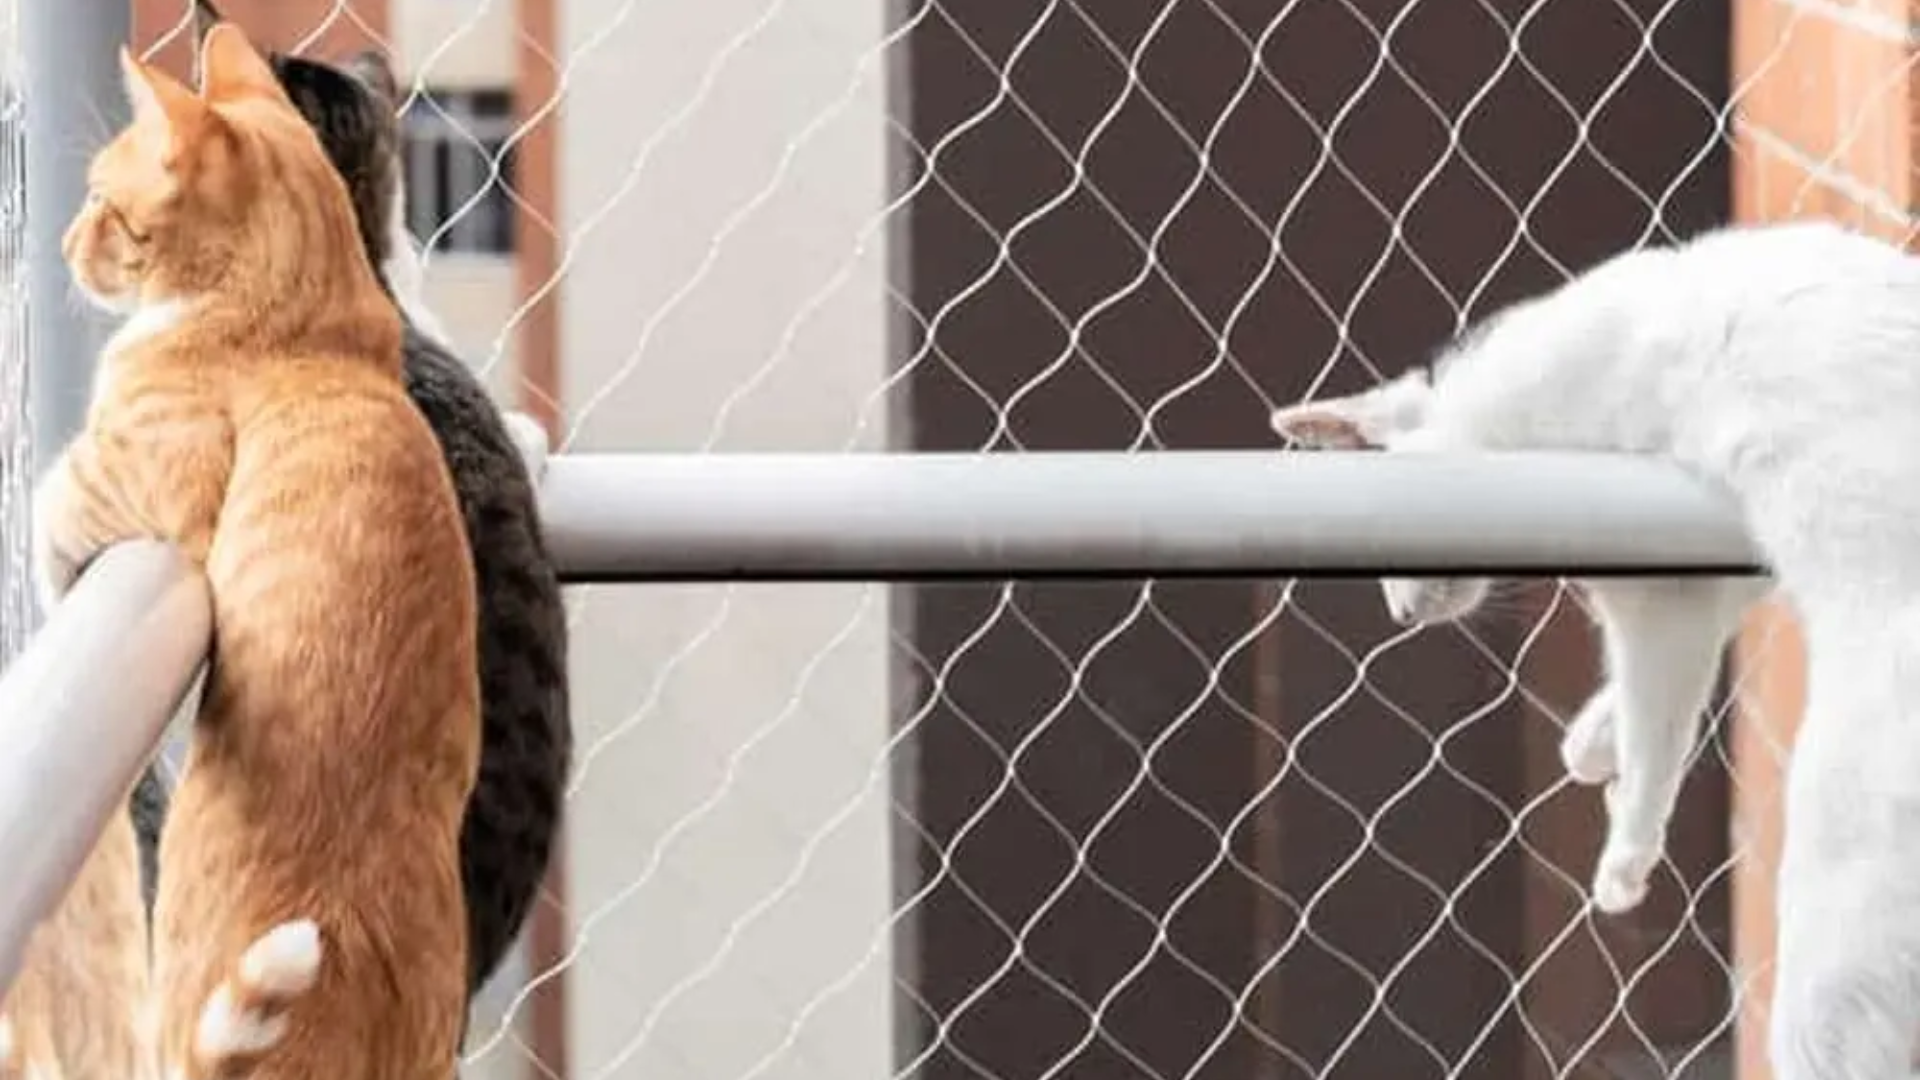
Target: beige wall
459	45
473	297
739	725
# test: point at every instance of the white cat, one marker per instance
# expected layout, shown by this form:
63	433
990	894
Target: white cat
1783	364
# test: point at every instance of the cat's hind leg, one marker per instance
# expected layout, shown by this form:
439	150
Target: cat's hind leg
1588	747
1846	999
1663	639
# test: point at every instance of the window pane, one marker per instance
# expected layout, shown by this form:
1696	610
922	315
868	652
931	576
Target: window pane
450	162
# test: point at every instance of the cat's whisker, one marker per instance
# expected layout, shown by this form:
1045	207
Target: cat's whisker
102	130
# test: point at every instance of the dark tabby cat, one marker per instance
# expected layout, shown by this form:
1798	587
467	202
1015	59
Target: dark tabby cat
513	818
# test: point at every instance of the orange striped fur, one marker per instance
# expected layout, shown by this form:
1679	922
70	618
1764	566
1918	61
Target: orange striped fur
72	1012
251	411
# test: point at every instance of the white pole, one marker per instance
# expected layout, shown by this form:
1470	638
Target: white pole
81	710
770	517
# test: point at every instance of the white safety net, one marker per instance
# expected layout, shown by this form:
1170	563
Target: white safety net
1126	829
15	437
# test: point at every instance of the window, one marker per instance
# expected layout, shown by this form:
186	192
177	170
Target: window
452	140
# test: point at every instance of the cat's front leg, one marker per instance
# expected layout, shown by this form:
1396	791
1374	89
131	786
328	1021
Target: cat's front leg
1663	640
58	548
1588	747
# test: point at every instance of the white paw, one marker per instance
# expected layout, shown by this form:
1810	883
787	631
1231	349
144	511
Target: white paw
1427	601
285	960
6	1045
51	577
281	963
1588	749
1620	881
226	1030
530	438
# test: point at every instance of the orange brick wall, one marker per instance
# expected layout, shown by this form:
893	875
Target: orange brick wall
1824	125
322	28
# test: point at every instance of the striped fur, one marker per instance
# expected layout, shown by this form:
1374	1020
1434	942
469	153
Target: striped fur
265	429
74	1011
513	820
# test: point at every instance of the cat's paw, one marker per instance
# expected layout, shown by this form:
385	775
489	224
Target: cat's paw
52	573
530	438
247	1014
1620	880
1588	749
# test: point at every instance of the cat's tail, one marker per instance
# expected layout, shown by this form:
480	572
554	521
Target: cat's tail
246	1016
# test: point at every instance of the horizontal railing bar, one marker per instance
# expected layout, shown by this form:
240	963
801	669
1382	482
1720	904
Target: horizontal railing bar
84	706
81	710
1183	514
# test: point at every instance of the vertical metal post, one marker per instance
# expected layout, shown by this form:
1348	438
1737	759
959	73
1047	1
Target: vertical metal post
74	102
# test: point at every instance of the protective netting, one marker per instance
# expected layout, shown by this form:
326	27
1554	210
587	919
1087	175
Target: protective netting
15	438
1122	830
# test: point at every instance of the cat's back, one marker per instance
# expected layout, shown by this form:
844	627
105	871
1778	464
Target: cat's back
340	558
1818	277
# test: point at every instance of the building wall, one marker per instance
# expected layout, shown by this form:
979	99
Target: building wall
730	861
1824	128
442	46
318	27
458	45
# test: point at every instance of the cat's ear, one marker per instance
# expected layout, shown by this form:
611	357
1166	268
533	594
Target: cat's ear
205	18
230	68
1359	421
372	67
162	105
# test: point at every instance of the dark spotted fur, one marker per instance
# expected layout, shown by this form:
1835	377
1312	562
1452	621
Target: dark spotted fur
513	819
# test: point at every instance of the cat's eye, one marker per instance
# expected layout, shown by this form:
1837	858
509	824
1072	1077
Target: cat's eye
119	219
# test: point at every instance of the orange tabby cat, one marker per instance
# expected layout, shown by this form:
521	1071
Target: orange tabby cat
309	919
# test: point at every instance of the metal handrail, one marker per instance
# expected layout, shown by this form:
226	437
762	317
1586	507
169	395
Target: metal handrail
81	710
84	706
1250	513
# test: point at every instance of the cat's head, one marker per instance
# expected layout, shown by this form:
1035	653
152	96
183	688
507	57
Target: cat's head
352	109
1388	417
203	189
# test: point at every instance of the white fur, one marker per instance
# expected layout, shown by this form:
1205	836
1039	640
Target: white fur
530	437
406	275
285	960
225	1032
282	962
1783	364
406	272
53	570
145	323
